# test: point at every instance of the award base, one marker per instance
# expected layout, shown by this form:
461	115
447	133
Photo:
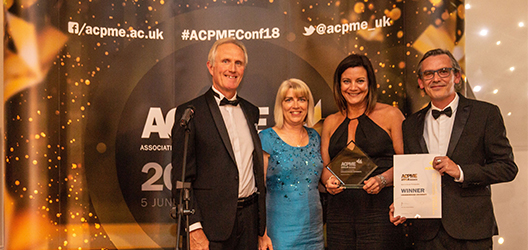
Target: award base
351	186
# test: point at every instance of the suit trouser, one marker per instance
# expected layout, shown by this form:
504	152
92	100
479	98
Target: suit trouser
444	241
245	231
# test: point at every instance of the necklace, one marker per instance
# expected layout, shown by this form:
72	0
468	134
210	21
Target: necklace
300	141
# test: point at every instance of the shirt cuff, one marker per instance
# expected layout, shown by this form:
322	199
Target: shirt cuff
195	226
461	179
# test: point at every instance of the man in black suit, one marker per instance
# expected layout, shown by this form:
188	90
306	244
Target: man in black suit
224	160
473	151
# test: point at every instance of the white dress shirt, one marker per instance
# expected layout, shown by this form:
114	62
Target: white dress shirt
437	132
242	143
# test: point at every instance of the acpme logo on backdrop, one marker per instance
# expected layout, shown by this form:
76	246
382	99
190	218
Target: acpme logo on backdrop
345	28
156	123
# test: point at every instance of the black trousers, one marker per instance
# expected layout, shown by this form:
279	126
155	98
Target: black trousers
444	241
245	231
357	220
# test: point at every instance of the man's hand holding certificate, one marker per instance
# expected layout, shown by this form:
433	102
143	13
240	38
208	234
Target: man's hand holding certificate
417	187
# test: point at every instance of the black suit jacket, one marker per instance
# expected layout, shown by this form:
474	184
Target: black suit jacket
211	166
480	147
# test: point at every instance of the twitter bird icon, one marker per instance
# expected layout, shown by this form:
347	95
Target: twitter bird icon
309	31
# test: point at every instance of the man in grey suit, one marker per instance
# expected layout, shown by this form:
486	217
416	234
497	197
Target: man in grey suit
473	151
224	158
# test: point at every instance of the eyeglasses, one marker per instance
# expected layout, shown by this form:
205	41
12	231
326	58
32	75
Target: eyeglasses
443	73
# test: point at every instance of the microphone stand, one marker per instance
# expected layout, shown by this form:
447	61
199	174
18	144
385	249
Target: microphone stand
184	194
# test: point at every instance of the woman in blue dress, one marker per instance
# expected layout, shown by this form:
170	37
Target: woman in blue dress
293	166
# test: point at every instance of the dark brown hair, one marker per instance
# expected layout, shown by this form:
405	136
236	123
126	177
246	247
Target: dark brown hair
352	61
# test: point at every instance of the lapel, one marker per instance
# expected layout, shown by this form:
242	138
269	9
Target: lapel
253	130
219	122
420	130
252	127
461	118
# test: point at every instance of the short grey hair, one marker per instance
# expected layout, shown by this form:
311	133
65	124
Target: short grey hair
212	52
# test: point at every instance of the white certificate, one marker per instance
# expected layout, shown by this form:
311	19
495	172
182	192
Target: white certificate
417	187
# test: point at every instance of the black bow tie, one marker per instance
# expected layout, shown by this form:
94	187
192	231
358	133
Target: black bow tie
228	102
448	112
224	101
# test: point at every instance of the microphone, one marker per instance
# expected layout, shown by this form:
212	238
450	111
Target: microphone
187	116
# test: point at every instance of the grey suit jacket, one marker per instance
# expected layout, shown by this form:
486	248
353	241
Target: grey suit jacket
211	166
480	147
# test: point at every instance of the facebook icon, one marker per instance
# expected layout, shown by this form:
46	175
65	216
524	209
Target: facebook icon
73	27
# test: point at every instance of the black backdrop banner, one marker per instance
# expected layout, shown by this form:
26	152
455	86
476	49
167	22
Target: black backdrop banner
91	88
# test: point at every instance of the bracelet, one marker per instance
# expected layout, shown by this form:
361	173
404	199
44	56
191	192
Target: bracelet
383	181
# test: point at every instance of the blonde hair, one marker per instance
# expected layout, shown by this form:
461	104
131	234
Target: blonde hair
300	89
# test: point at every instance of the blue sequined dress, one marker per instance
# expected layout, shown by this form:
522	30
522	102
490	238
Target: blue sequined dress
293	208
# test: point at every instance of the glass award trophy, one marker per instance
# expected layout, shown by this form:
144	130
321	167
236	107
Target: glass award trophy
351	166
